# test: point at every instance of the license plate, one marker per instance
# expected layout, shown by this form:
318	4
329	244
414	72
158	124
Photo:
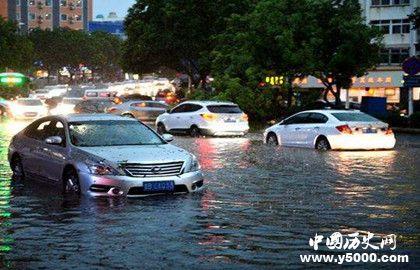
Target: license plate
159	186
230	120
369	130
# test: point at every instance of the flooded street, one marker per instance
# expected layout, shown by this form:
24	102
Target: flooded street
260	207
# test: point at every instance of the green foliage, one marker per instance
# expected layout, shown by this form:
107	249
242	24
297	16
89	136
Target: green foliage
176	33
16	50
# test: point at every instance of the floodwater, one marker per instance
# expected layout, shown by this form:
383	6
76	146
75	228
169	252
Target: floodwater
259	210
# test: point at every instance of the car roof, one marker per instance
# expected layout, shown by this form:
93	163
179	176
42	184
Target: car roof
208	102
330	111
94	117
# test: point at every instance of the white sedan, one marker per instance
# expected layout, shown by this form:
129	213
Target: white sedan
331	129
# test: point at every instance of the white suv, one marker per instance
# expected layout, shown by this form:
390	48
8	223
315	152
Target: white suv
204	118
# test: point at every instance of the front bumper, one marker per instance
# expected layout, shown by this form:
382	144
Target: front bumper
122	185
226	129
361	141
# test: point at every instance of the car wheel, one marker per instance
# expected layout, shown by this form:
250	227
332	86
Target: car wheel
129	115
17	169
272	139
195	132
71	184
322	144
161	128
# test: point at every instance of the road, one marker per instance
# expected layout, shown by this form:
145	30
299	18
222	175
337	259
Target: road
259	210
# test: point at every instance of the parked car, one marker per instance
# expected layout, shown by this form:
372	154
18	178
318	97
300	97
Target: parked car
331	129
66	106
204	118
93	106
143	110
102	155
27	108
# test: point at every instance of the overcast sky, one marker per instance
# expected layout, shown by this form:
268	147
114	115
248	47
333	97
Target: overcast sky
106	6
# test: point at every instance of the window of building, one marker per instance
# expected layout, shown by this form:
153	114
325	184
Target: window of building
78	17
17	2
48	16
63	3
31	16
389	2
393	26
78	3
32	2
63	17
393	56
18	16
48	3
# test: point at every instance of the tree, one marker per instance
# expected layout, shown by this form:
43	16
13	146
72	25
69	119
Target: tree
176	34
16	51
415	18
345	47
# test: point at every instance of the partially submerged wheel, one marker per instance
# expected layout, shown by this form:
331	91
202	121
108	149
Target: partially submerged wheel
195	132
161	128
322	144
71	184
272	139
17	169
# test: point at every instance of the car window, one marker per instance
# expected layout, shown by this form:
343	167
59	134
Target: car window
38	130
180	109
354	117
317	118
139	104
193	107
301	118
157	105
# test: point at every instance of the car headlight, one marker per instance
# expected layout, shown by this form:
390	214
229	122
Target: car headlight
101	169
193	165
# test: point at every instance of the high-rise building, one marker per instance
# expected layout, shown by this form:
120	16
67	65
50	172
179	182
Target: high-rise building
48	14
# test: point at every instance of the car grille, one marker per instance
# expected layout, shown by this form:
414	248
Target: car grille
153	170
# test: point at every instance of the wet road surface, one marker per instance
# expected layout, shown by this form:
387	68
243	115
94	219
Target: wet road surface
259	210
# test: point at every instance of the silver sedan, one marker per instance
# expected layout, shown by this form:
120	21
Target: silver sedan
102	155
143	110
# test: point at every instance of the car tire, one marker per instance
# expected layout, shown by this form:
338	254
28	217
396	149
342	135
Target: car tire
272	139
129	115
195	132
322	144
71	183
17	169
161	128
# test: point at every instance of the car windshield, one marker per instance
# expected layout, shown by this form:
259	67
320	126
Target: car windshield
112	133
224	109
29	102
354	117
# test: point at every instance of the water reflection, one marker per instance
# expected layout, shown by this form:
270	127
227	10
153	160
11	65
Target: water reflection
260	207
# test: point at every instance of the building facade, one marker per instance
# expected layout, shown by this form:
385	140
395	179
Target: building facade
48	14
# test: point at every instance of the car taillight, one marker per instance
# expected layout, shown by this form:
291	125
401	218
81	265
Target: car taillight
244	117
209	116
344	129
389	131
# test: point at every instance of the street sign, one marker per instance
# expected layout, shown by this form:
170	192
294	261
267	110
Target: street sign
411	65
412	81
10	79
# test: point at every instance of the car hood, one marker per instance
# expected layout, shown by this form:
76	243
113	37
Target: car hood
139	154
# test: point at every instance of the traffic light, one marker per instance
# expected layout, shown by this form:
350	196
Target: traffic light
12	79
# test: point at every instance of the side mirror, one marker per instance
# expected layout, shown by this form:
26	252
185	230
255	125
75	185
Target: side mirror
168	137
55	140
168	111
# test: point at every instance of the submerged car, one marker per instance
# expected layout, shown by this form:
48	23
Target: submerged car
331	129
204	118
27	108
102	155
143	110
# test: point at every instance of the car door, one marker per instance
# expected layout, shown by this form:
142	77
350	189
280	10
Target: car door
32	155
311	130
53	157
173	120
293	128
